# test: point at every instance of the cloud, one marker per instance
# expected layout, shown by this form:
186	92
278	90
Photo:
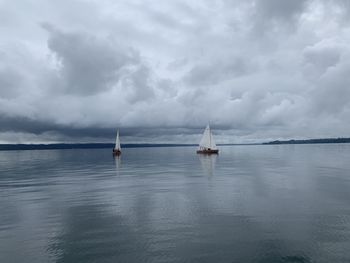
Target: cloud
86	64
212	72
138	84
321	57
256	70
333	91
281	10
10	81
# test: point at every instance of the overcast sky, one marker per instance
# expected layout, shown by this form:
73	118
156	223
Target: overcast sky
74	71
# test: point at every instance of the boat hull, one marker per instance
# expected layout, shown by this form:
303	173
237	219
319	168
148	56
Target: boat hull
208	151
117	152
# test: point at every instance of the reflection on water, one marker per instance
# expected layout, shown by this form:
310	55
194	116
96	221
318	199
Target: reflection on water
118	163
208	163
91	234
262	204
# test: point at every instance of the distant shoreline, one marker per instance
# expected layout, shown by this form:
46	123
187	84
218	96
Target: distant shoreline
62	146
310	141
59	146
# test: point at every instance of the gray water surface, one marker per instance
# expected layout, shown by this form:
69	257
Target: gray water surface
282	203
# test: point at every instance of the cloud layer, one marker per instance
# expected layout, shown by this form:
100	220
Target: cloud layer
256	70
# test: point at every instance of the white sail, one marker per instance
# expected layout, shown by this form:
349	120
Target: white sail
117	142
207	141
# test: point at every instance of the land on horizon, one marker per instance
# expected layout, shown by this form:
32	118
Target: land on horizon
8	147
310	141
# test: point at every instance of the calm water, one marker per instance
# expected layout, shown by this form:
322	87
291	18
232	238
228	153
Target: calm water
268	204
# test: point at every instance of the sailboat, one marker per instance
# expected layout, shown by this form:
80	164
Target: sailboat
207	144
117	149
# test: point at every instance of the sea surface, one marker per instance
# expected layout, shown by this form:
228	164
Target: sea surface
262	203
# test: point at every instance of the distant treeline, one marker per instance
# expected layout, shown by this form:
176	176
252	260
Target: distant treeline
8	147
312	141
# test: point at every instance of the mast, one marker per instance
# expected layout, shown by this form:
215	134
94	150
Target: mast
209	136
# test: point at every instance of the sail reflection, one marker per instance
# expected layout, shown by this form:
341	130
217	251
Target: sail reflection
118	164
208	163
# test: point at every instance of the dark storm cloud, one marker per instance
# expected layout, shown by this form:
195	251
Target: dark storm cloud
255	69
275	15
88	65
276	9
139	85
37	127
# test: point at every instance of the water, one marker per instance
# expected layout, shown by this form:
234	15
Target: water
287	203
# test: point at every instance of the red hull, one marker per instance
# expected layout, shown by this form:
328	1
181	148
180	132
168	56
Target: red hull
208	151
116	152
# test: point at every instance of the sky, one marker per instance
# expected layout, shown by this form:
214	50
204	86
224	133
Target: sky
256	70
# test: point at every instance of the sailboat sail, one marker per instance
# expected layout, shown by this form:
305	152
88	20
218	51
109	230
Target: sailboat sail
117	142
207	141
